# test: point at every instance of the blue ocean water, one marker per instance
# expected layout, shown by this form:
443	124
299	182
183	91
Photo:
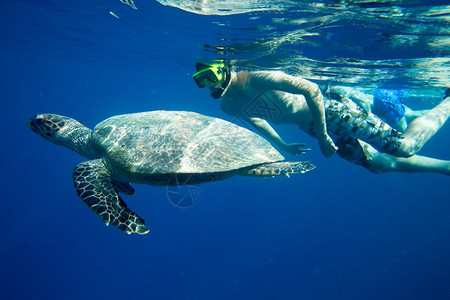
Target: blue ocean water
337	232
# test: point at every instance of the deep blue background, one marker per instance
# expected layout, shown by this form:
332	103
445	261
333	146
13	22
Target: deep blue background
338	232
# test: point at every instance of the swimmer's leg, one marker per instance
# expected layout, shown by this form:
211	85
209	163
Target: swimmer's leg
363	154
410	114
382	163
423	128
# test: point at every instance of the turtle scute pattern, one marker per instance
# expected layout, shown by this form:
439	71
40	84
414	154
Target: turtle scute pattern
180	142
93	185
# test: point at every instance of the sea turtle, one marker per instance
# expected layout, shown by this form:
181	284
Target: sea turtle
154	148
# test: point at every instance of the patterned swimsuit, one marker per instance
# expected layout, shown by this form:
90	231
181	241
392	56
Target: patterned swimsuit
348	125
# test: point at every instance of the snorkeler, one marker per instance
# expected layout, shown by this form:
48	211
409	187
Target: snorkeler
358	136
385	104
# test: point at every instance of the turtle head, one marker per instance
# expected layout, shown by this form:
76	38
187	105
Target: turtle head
65	131
49	126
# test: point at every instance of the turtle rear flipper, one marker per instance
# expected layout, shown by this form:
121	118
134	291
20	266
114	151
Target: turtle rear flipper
278	168
123	187
94	186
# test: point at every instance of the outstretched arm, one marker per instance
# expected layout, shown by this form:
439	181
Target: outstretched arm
296	85
264	128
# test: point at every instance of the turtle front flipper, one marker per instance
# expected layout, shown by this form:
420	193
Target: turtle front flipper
94	186
278	168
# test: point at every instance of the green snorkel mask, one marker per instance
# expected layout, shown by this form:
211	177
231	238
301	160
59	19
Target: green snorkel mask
209	75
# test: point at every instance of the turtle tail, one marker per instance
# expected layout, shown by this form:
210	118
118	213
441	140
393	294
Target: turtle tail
278	168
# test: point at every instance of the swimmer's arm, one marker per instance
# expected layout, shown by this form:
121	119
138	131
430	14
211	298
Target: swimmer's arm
265	129
261	125
297	85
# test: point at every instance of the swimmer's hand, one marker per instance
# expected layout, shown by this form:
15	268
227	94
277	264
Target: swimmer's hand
295	148
327	146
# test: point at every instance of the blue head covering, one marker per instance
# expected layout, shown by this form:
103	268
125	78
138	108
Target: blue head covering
387	105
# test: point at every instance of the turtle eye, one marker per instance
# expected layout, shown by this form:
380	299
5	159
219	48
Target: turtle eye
40	122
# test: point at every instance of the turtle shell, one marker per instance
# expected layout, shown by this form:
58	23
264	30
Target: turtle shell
162	142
